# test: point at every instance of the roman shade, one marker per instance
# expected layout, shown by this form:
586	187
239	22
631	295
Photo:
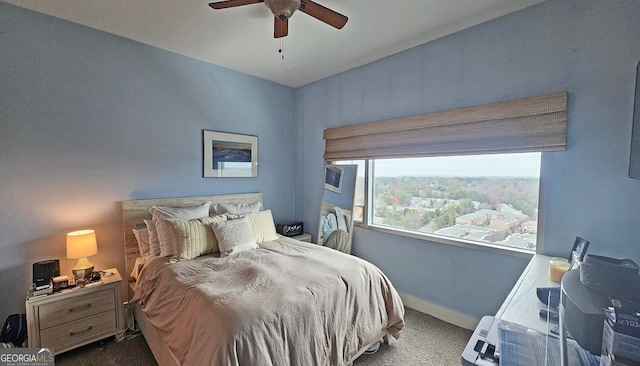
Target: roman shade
523	125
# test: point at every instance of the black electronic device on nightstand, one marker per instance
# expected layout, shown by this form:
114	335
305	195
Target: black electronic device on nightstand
44	272
289	228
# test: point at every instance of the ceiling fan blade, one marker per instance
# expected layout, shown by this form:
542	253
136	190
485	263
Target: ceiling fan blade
233	3
321	13
280	28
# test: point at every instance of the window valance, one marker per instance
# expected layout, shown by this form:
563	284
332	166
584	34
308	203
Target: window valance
523	125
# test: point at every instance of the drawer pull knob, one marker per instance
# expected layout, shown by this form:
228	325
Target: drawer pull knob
80	307
75	332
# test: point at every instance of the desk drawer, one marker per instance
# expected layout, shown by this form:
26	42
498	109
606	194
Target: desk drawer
66	310
75	332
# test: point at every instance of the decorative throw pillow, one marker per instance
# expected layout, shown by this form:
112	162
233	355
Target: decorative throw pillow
262	226
193	238
236	208
342	219
154	244
160	214
234	236
142	237
207	221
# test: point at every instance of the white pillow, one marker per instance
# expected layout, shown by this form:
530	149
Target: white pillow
236	208
142	237
193	238
154	244
262	225
234	236
160	214
342	219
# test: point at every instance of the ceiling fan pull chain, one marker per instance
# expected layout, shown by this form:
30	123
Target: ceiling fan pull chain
281	50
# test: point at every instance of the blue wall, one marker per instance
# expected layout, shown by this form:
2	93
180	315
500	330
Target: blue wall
588	48
88	119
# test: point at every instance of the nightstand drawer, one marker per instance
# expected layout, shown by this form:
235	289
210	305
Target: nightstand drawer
65	335
66	310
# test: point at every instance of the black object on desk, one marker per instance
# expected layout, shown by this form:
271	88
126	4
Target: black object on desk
583	312
549	295
552	315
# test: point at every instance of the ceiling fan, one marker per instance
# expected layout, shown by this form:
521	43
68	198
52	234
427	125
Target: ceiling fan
283	9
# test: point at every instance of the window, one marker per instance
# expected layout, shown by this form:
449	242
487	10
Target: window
470	175
489	199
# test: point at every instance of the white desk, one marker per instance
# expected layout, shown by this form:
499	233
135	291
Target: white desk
522	305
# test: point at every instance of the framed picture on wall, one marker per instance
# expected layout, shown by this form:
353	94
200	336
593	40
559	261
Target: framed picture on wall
578	251
333	179
229	155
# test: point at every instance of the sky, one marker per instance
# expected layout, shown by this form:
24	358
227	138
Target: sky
495	165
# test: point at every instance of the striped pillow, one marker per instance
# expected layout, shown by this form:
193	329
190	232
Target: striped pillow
193	238
261	224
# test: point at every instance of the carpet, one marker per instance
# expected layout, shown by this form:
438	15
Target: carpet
424	341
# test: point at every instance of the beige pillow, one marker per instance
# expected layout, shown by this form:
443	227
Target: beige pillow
160	214
262	226
142	238
193	238
234	236
154	244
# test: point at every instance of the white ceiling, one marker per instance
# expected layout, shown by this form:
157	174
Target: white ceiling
241	38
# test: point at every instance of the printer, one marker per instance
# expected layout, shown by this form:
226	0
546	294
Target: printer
483	349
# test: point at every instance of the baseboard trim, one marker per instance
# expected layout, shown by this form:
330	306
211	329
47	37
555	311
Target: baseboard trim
437	311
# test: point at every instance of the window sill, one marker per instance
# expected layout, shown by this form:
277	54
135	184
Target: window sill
486	247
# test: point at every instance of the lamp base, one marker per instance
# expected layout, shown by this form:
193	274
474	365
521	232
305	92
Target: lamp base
84	272
83	266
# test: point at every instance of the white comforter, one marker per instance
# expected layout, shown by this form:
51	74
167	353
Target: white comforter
287	303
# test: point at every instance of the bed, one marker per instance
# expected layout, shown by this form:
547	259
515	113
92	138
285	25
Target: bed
282	302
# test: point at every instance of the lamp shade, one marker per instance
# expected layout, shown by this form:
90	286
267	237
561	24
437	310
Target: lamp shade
81	244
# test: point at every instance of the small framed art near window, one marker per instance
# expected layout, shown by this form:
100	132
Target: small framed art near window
229	155
333	179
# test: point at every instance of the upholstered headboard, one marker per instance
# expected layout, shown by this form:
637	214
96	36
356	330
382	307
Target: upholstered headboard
135	211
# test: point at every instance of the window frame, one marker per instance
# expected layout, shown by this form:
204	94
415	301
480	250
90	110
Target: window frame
367	223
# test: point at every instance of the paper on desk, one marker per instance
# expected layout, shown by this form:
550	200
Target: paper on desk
522	346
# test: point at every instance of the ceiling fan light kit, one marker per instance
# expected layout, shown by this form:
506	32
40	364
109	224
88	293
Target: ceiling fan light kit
284	9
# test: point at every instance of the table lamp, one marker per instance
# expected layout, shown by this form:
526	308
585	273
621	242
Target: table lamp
80	245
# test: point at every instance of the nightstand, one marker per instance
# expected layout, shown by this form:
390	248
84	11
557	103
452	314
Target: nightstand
302	237
74	317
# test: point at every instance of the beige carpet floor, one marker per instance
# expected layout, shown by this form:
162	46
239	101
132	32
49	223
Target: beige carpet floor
424	341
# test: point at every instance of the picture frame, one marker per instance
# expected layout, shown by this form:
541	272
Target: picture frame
333	178
634	159
578	251
229	155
